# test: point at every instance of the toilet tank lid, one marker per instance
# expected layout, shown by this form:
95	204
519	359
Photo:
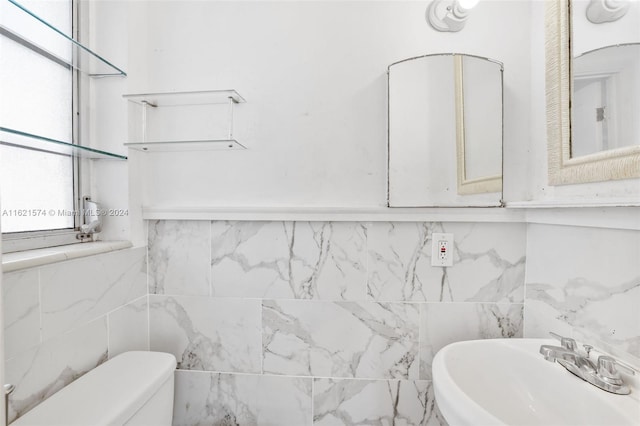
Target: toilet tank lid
109	394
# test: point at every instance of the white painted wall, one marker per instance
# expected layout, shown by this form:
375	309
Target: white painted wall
314	76
114	26
2	382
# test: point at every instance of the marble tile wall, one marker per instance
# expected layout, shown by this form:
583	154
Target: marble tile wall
326	323
585	283
315	323
63	319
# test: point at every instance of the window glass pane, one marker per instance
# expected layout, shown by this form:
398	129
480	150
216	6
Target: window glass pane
55	12
37	190
36	93
36	97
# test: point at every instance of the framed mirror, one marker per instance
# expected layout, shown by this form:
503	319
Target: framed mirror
592	92
445	132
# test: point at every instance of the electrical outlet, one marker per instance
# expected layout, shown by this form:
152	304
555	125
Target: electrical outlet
441	249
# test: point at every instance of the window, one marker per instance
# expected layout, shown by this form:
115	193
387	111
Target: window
38	189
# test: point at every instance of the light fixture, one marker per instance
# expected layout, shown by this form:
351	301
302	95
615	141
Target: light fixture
449	15
601	11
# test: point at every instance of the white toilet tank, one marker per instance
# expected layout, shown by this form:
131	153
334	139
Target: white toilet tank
133	388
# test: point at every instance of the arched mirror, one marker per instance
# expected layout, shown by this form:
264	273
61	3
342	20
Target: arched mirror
593	90
445	131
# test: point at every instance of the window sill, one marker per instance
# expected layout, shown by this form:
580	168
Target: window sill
32	258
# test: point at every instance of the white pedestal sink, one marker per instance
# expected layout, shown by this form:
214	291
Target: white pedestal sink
508	382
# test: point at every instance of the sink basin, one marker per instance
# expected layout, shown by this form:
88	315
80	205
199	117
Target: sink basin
507	382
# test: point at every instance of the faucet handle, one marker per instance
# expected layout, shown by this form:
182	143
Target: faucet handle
566	342
608	367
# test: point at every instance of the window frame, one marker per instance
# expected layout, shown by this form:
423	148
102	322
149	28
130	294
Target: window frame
31	240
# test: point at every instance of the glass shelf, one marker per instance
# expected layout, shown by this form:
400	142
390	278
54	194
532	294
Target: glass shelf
175	146
16	138
204	97
67	51
174	99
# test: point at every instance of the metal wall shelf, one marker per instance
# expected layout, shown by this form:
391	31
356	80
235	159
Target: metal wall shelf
16	138
69	52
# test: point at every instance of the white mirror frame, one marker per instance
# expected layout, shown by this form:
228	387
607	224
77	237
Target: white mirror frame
622	163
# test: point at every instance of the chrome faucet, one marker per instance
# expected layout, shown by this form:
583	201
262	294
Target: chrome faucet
553	353
567	349
604	375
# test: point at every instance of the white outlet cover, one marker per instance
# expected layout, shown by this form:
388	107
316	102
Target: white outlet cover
446	239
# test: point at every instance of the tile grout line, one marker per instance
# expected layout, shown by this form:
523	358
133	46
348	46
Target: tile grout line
313	399
293	376
262	355
210	266
40	333
147	225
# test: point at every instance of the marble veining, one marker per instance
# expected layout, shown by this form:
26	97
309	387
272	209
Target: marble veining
577	285
489	262
179	257
399	258
591	309
78	291
341	339
302	260
18	407
21	311
207	334
348	402
47	368
129	327
231	399
445	323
